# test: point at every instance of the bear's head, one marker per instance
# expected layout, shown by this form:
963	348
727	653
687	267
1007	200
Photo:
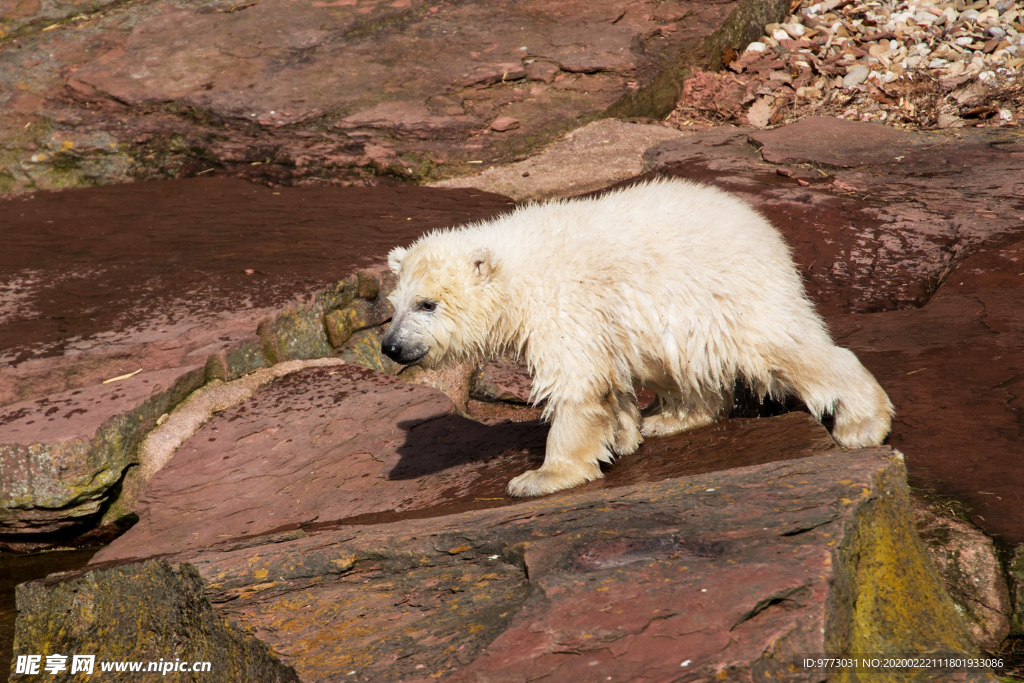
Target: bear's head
444	302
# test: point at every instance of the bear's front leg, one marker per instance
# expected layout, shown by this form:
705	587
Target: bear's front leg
577	444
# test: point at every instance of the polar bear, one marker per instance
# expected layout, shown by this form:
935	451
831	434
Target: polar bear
679	287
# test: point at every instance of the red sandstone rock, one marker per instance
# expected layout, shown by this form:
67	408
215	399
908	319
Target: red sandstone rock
688	579
342	444
504	123
502	380
293	92
153	277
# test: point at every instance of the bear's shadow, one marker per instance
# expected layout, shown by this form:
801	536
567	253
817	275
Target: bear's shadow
453	441
510	448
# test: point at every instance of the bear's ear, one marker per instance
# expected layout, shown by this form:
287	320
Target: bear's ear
483	263
395	259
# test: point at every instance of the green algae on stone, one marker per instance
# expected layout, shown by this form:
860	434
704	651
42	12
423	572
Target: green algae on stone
364	349
1016	571
887	597
144	612
78	475
296	334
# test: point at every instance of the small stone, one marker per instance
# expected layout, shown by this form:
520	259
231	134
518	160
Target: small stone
988	15
971	94
779	34
955	69
1004	5
879	50
760	113
855	76
969	15
950	121
937	63
369	285
340	326
796	31
504	123
544	72
756	46
446	105
996	32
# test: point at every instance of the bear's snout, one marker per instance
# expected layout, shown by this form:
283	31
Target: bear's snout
391	350
405	354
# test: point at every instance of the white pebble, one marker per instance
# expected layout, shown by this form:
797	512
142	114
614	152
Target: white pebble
855	76
756	47
796	31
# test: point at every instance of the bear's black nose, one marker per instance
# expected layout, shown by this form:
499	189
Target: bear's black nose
391	350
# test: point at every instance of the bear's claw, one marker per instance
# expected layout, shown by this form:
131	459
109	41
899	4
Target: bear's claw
539	482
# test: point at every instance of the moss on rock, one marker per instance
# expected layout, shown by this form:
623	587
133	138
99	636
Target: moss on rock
143	612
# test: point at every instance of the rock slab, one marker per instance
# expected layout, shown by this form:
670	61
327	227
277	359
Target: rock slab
116	302
730	575
349	445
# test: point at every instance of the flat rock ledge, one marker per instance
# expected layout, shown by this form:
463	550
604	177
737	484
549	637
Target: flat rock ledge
729	575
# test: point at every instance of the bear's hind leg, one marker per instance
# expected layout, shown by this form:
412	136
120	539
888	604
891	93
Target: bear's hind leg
670	414
829	378
578	442
627	423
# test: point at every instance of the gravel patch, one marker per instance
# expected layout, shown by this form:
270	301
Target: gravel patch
911	64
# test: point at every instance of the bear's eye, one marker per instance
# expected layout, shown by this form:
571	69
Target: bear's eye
427	306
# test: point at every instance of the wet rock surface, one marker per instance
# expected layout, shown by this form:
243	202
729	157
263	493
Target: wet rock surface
587	583
353	503
911	248
321	91
349	445
157	288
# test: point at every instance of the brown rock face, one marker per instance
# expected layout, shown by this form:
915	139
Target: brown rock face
970	569
336	90
911	245
167	286
686	579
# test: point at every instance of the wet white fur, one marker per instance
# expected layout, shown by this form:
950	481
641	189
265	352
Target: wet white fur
678	286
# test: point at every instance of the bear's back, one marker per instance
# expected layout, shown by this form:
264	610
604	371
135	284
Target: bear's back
666	228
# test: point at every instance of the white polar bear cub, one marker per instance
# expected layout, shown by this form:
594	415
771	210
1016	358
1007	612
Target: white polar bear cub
679	287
